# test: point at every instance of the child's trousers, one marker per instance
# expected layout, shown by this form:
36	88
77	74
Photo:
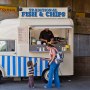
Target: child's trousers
31	81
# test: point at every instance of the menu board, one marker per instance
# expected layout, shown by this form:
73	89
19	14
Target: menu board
23	35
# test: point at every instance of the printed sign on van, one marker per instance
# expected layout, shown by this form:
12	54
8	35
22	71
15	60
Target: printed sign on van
43	12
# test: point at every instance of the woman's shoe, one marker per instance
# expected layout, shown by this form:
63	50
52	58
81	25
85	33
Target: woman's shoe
46	87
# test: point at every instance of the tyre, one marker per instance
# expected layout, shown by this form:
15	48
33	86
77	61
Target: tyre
45	75
1	77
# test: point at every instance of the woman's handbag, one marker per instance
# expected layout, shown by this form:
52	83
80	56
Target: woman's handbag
59	57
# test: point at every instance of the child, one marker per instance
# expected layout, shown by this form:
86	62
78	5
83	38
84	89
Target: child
31	73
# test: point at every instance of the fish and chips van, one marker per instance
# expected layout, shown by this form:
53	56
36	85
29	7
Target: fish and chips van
19	41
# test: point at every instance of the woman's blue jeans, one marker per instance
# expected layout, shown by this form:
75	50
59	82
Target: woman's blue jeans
53	72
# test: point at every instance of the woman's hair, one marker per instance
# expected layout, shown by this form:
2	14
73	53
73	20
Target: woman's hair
29	63
49	45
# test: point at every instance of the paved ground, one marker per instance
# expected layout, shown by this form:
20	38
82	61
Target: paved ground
71	83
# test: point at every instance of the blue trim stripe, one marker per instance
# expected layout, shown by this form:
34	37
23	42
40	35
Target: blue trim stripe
30	58
3	61
8	65
14	65
35	68
41	67
19	66
24	62
46	64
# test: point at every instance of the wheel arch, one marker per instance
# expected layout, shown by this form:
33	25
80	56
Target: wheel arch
2	72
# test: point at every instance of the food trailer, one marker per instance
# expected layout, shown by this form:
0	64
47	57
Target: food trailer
19	41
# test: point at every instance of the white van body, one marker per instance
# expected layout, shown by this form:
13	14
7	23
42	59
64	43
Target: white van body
14	63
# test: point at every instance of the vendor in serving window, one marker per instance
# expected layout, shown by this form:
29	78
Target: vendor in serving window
46	36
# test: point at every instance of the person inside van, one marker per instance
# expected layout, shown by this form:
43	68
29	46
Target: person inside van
46	36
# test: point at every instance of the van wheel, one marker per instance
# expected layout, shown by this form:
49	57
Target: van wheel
1	77
45	75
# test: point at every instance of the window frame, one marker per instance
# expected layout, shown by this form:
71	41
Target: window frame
8	52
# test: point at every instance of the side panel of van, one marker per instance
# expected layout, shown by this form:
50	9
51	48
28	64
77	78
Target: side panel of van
16	66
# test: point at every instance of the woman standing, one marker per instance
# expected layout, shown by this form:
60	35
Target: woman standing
53	71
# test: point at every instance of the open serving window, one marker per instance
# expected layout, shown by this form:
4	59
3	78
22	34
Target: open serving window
61	37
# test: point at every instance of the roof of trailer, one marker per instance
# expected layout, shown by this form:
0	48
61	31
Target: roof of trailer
9	22
33	22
